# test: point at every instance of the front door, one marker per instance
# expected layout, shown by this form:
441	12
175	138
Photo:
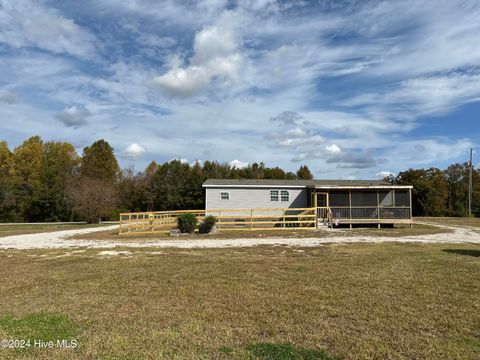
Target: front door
322	206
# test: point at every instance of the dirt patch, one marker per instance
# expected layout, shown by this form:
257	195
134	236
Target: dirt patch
63	239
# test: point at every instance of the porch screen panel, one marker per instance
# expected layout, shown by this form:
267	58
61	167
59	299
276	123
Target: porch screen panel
339	198
364	205
402	198
386	198
364	198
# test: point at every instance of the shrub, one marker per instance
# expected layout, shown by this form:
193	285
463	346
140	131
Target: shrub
187	223
207	224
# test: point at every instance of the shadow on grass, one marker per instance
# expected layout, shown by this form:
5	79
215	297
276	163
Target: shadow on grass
466	252
269	351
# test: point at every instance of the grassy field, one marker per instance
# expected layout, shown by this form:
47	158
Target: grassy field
455	221
358	301
7	230
399	230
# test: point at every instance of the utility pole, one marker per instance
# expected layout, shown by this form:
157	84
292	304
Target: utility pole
470	184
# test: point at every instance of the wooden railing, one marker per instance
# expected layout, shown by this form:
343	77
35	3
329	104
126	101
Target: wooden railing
365	212
227	219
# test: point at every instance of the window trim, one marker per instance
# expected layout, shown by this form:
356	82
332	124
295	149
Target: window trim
272	196
282	196
222	196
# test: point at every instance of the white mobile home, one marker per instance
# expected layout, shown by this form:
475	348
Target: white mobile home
346	201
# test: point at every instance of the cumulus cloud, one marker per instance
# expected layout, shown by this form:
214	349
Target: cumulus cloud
73	116
7	97
333	149
238	164
296	137
272	57
216	58
32	24
134	150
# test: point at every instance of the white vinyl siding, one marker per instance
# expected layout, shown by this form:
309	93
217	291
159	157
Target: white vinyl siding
253	198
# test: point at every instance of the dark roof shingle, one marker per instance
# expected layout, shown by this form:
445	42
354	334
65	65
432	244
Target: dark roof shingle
274	182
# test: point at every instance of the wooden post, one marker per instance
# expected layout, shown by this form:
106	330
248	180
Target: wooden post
411	205
378	204
251	219
350	204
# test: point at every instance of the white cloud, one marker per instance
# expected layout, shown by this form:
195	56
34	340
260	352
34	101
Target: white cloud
434	94
296	133
134	150
383	174
182	160
353	160
31	24
7	97
183	82
216	59
73	116
409	59
238	164
333	149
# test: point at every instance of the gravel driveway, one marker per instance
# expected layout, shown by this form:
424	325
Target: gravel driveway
60	239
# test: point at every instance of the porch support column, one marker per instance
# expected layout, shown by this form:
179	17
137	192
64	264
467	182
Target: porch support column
378	206
411	205
350	206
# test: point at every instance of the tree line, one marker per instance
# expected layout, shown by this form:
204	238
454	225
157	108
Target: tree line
49	181
439	192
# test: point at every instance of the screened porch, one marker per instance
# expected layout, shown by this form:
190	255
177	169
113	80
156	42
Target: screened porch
364	206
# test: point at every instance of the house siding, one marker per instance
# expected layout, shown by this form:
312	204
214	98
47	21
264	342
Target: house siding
250	198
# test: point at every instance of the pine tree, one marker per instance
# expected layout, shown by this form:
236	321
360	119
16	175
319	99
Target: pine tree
99	162
304	173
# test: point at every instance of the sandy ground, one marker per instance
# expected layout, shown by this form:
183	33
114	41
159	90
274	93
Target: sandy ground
60	240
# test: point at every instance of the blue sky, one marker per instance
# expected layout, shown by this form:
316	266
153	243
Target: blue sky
353	89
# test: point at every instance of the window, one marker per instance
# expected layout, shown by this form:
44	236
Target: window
284	195
273	195
225	196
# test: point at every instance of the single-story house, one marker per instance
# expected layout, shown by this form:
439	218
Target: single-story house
341	201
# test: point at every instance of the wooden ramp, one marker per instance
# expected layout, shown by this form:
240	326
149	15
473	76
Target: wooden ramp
227	219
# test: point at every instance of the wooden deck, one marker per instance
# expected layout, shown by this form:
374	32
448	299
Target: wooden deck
351	215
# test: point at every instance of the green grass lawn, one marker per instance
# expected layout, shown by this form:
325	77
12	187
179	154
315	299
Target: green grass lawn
358	301
7	230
